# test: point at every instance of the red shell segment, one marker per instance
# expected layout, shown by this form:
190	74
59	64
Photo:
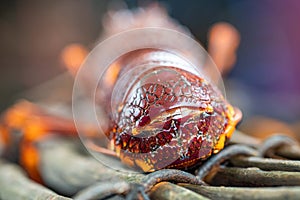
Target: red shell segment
172	123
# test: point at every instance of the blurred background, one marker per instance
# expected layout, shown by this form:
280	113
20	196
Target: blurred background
264	81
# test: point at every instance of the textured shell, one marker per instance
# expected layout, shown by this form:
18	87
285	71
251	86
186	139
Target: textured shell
171	119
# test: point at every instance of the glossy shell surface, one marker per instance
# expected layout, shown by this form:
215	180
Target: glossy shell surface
170	118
